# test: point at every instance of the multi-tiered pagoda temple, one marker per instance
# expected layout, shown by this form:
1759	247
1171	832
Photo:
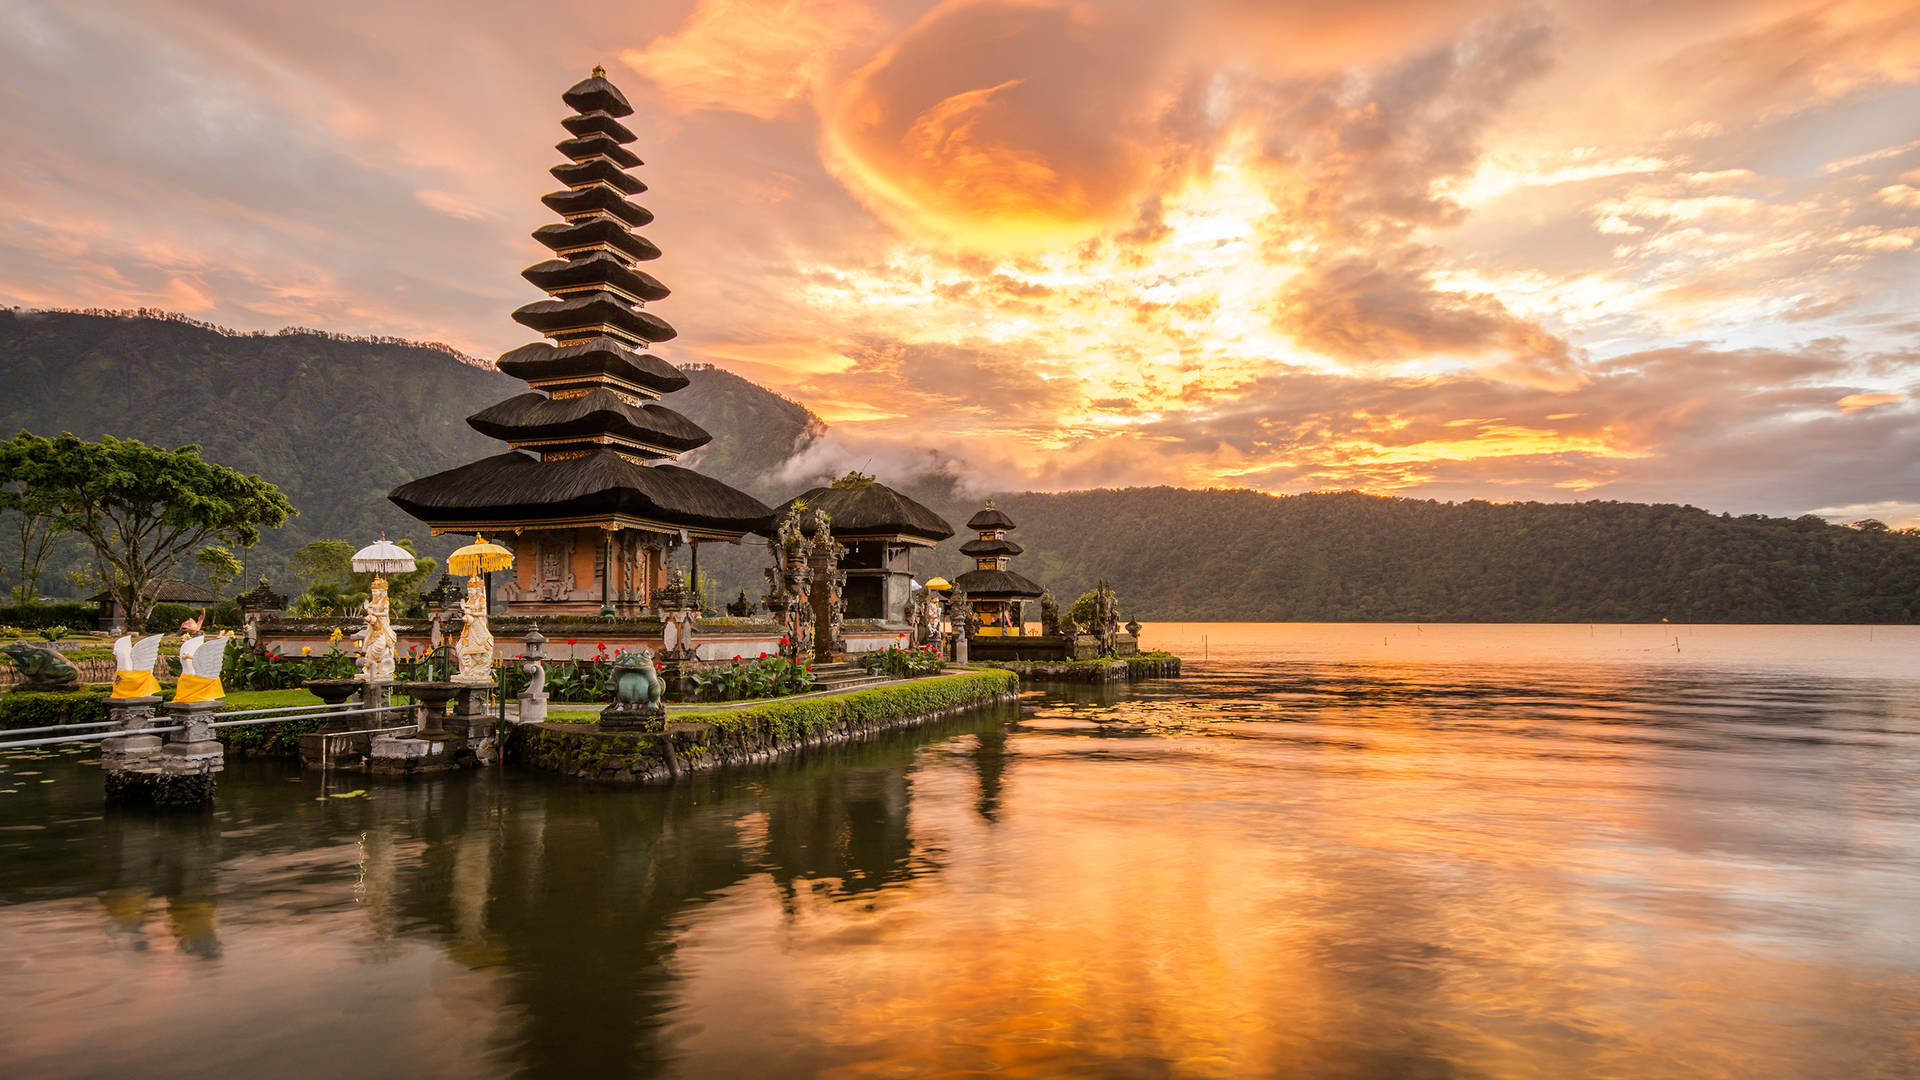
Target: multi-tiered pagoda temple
584	493
998	594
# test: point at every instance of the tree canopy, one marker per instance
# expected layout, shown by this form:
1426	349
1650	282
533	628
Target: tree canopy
141	509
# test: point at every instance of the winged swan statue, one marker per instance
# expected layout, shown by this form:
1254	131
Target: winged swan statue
133	666
201	659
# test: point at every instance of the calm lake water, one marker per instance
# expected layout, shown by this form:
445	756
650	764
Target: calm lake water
1394	851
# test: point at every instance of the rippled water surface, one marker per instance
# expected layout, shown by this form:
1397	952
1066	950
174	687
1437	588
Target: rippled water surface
1438	851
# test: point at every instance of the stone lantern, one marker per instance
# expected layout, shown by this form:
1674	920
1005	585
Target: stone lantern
533	700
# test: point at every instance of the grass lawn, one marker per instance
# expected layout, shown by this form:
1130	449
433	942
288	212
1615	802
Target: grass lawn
573	716
238	700
269	699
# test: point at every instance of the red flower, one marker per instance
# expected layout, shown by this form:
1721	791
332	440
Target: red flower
602	646
763	656
736	656
570	641
784	641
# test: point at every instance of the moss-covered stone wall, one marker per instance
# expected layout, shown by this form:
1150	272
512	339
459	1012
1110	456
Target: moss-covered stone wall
752	735
1123	669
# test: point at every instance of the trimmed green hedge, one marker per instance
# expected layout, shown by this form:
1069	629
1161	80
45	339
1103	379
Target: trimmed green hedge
75	616
27	709
786	719
31	709
266	740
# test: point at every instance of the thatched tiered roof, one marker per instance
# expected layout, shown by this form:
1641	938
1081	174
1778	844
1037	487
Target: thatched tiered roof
985	548
593	415
989	519
869	511
997	585
603	487
991	551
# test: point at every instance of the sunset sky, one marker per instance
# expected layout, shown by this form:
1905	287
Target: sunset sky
1652	251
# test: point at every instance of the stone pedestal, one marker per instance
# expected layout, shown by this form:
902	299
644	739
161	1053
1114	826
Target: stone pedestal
959	648
431	747
393	755
533	708
472	719
131	762
328	748
619	717
374	694
191	760
676	673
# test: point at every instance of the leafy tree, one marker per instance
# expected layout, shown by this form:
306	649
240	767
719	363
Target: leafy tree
141	509
219	565
36	524
323	562
1082	609
332	586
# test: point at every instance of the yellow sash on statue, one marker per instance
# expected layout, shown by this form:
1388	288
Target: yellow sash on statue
198	688
135	684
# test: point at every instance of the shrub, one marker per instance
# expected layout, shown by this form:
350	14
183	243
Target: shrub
902	662
765	677
53	633
24	709
784	720
31	616
166	618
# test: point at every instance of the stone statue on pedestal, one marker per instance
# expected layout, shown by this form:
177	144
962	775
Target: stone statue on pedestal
41	668
637	691
475	647
382	646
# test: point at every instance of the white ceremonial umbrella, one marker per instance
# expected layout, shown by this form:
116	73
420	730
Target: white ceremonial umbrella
383	557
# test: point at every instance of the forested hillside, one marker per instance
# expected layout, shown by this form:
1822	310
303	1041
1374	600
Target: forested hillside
337	423
1175	554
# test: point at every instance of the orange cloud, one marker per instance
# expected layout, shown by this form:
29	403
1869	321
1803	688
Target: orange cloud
1857	402
759	57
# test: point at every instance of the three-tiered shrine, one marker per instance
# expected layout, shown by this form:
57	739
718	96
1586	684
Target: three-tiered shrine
585	494
998	595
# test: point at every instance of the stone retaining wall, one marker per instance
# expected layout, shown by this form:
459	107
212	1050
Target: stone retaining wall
755	735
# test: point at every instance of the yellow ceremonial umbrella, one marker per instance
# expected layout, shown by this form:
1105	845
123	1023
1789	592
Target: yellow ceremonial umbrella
940	584
479	557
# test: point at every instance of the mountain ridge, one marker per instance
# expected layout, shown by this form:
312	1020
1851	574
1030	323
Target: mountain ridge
338	421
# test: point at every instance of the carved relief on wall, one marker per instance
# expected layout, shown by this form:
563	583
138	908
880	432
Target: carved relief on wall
553	568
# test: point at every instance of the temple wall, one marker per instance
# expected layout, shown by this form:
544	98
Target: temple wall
711	642
587	544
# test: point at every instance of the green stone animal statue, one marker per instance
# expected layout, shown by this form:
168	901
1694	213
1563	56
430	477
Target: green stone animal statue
40	668
635	684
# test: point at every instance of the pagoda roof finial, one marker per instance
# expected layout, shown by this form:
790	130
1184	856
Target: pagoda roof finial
599	72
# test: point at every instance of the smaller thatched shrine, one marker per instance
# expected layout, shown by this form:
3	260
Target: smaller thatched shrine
879	528
998	595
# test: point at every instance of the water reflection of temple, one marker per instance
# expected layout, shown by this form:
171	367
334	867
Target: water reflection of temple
541	925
